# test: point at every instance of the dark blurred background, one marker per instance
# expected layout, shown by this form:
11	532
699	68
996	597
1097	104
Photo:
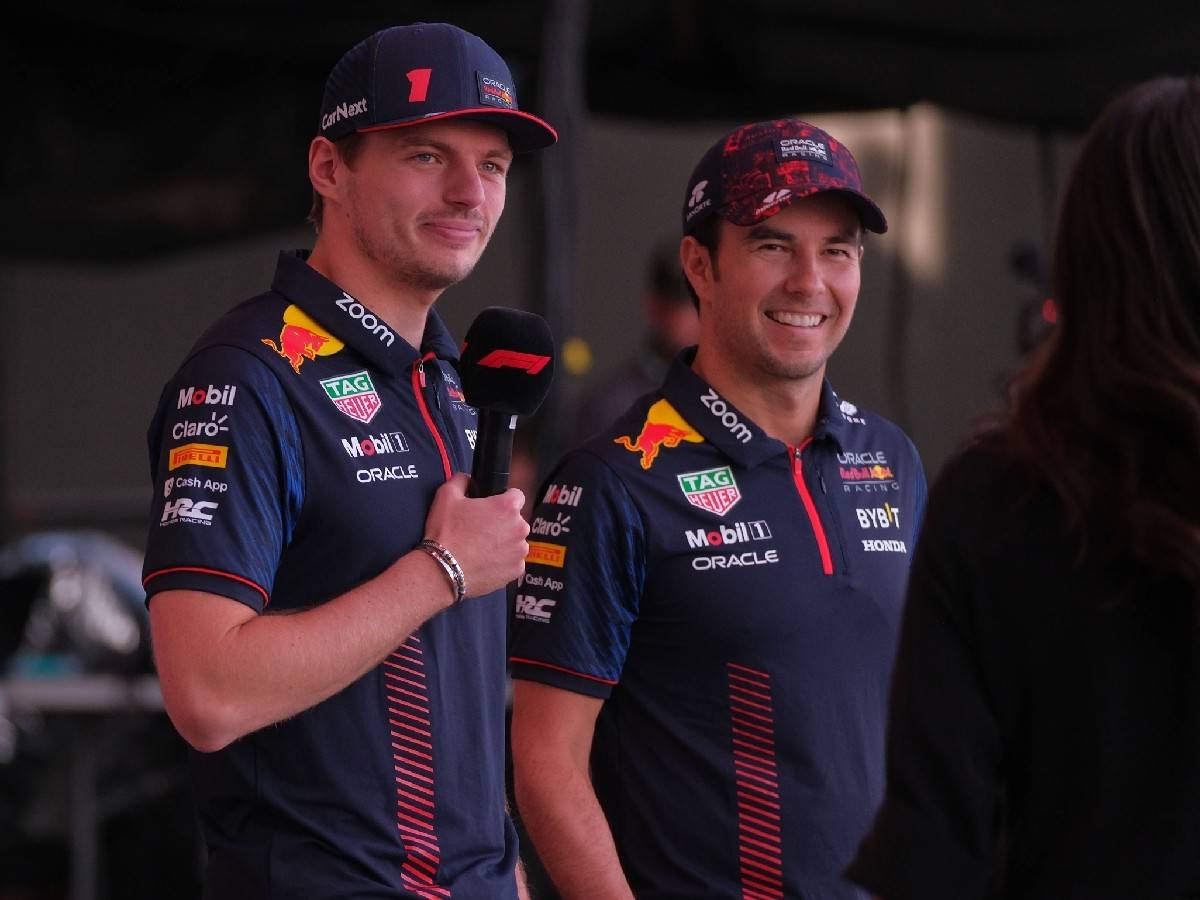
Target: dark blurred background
154	163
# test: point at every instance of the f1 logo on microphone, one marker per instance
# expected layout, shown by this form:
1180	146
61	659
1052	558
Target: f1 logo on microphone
515	359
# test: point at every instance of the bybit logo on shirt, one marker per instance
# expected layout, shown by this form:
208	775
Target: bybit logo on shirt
886	516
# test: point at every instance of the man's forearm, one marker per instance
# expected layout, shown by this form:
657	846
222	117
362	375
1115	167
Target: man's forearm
223	679
572	835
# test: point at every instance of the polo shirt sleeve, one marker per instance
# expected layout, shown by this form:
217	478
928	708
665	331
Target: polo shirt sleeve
935	836
578	599
227	475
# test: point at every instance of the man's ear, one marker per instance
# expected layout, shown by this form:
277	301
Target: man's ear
699	268
324	167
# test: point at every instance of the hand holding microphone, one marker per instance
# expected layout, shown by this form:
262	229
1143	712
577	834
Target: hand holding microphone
507	366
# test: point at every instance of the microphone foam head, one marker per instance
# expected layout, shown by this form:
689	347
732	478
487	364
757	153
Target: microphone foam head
507	361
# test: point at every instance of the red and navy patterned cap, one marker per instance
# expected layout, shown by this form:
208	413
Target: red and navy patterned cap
756	170
424	72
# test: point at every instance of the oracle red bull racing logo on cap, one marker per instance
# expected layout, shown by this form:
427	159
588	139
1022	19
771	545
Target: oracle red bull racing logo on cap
301	338
354	395
664	427
714	490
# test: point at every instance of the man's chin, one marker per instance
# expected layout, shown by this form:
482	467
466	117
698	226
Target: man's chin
437	278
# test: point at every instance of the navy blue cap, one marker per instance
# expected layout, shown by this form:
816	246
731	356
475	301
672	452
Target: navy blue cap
756	170
425	72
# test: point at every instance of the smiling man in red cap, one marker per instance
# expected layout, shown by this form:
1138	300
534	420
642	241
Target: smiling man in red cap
327	605
704	632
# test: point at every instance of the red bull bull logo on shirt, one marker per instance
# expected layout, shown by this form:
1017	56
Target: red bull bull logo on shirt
302	338
664	427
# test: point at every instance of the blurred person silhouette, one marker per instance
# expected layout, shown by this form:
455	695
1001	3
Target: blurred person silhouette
1044	736
671	323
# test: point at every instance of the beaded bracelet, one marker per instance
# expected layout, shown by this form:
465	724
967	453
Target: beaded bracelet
458	579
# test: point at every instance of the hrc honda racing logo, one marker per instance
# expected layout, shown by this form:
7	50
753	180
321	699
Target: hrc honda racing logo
533	609
193	512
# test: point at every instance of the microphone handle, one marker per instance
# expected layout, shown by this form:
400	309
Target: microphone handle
493	453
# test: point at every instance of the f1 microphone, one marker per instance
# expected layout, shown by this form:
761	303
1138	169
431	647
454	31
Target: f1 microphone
507	366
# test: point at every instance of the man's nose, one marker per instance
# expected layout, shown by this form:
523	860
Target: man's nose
464	185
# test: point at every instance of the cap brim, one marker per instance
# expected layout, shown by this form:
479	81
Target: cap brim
741	211
525	131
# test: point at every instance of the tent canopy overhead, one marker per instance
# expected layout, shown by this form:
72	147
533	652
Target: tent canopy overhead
141	127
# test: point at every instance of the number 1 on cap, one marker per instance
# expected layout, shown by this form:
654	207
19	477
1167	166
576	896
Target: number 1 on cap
419	81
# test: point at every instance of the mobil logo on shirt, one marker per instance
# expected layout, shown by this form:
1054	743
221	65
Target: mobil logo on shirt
563	495
722	535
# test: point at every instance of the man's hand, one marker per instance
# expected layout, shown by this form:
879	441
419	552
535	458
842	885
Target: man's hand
485	534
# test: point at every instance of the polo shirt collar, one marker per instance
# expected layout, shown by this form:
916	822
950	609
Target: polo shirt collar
836	417
352	322
732	431
718	421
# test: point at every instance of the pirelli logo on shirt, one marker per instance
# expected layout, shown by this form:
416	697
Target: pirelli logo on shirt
210	455
546	554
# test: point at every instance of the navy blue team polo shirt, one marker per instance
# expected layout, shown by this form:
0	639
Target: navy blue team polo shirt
736	602
295	455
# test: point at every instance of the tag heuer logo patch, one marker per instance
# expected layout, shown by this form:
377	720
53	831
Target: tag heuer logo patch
354	395
713	490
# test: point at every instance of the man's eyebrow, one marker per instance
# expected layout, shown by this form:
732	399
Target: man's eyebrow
443	147
849	236
766	232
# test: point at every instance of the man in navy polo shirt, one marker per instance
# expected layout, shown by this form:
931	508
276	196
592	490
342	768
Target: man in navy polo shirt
326	602
705	628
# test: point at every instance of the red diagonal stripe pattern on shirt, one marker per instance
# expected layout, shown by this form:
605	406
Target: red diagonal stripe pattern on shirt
752	733
412	755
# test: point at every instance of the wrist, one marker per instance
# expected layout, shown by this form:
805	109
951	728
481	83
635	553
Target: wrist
449	566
